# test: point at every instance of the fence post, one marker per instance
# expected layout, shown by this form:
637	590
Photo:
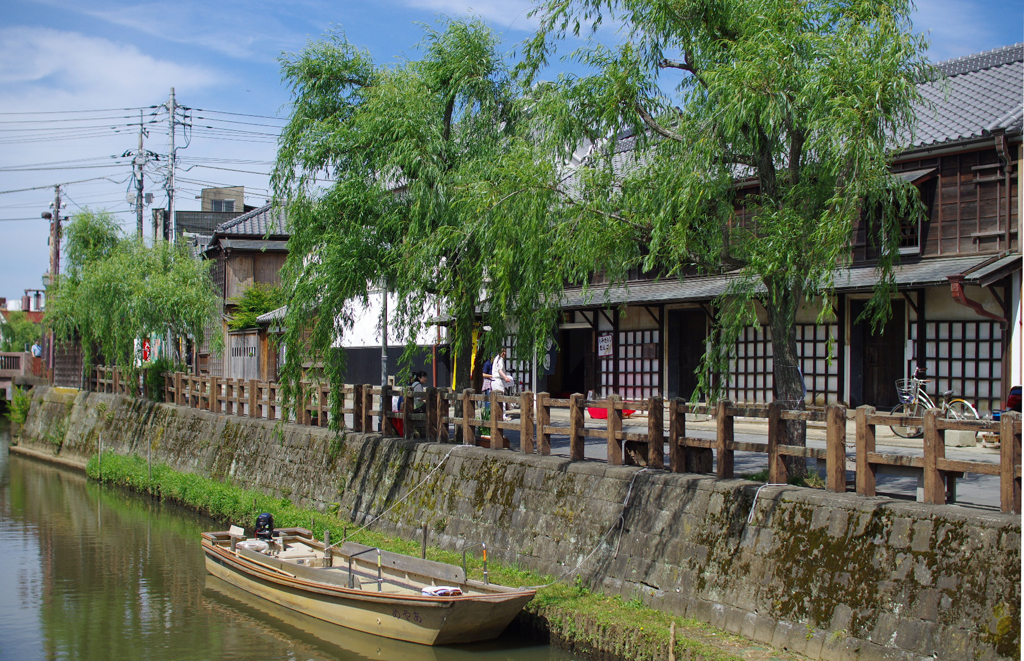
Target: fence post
676	432
272	408
656	432
576	444
777	473
468	436
386	426
357	408
543	422
497	439
1009	461
322	405
443	410
526	423
255	410
215	394
614	419
725	435
431	410
177	388
835	448
934	449
117	381
406	411
865	445
367	413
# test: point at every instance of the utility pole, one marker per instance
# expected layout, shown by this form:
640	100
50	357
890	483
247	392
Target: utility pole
54	259
140	162
171	110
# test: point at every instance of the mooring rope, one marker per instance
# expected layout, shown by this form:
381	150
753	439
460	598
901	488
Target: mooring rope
753	506
620	523
408	493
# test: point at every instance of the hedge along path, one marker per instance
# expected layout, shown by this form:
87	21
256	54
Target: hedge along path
570	615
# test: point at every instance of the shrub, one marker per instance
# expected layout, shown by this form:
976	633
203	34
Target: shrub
17	411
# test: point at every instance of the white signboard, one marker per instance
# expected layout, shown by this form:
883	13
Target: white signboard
604	345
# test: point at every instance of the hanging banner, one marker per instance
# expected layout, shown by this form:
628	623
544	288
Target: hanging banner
604	345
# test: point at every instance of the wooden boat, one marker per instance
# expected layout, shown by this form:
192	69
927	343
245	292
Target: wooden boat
365	589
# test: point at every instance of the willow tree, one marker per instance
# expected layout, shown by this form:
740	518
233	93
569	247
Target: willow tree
409	151
798	104
116	290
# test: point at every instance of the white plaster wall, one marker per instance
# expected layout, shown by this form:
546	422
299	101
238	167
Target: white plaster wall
1016	330
365	331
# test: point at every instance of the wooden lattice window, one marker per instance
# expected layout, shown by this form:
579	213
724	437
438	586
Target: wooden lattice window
965	357
751	369
639	362
519	369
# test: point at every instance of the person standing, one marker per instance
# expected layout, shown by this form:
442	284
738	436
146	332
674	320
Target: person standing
486	371
500	379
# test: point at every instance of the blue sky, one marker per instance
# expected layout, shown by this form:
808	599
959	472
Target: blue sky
65	56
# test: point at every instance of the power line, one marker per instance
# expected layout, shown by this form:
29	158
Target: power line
66	183
65	112
240	114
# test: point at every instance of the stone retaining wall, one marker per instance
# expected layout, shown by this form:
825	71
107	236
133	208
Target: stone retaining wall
828	575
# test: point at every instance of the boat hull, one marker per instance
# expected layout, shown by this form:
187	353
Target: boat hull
424	620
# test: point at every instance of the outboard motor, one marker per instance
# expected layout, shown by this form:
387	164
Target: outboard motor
264	526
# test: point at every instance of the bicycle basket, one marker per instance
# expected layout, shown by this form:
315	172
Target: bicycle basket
907	390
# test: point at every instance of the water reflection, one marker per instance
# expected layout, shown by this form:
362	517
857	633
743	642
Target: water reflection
91	572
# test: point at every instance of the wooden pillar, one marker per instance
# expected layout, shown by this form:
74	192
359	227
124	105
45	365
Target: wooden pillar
614	428
357	408
543	422
576	439
443	409
776	466
406	412
526	423
177	388
367	409
497	441
468	436
835	448
117	380
656	432
386	426
272	401
215	394
934	449
676	434
322	405
1009	462
865	445
431	409
725	435
255	411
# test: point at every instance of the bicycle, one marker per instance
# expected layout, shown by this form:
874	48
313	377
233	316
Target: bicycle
914	401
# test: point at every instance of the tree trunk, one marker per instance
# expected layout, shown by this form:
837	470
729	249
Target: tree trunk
786	372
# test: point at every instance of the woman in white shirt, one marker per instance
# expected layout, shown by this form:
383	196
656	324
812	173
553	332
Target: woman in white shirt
500	378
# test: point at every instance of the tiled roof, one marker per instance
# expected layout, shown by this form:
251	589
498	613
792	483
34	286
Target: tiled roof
258	222
705	288
971	97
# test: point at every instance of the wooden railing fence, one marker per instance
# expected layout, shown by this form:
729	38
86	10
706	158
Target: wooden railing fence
429	413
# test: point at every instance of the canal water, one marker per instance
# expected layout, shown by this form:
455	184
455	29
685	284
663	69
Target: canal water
90	572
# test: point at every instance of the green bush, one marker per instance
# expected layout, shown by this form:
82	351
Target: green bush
154	378
17	409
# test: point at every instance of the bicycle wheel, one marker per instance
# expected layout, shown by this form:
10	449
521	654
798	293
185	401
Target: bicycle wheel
910	431
960	409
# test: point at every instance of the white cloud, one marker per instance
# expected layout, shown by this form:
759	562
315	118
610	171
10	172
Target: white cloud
44	68
504	14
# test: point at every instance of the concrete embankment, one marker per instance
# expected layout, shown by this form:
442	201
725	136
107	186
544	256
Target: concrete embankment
831	576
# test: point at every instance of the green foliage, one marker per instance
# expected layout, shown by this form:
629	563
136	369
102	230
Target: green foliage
154	376
257	299
803	102
17	408
412	148
17	333
117	290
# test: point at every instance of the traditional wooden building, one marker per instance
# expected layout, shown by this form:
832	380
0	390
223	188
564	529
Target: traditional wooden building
958	307
246	250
